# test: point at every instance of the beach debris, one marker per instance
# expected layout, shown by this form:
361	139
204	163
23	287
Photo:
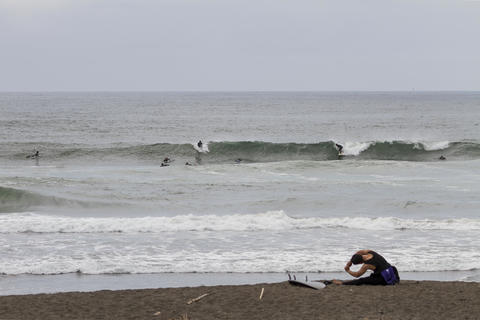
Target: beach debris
261	294
157	313
198	298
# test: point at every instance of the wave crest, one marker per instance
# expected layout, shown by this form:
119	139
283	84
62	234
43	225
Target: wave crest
253	151
15	200
268	221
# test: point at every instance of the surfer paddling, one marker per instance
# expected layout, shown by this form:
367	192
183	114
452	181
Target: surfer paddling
383	272
35	155
166	162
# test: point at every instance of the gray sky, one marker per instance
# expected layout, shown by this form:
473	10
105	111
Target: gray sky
57	45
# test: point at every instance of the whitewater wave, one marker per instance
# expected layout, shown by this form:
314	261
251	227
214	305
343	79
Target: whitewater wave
248	151
432	146
355	148
268	221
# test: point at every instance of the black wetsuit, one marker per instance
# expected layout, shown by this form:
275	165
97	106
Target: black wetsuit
376	277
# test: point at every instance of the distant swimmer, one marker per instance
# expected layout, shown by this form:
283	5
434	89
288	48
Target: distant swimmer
442	158
200	144
188	163
36	155
164	164
238	160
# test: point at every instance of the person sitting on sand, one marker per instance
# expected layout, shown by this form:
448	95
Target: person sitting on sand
383	272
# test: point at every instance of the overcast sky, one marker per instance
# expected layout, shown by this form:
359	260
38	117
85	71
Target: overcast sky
64	45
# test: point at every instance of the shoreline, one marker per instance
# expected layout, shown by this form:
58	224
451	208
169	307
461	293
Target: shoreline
77	282
408	300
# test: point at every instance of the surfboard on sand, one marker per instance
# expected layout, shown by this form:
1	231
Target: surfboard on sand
308	284
317	285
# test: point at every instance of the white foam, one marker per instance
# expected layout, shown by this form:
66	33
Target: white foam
203	149
439	145
355	148
271	220
119	260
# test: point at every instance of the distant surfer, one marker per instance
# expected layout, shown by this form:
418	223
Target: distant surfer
442	158
383	272
238	160
166	162
339	148
188	163
35	155
199	149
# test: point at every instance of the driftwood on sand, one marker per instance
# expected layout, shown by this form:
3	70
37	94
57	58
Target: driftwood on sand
197	298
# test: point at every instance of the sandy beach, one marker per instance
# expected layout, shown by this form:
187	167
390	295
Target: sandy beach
409	300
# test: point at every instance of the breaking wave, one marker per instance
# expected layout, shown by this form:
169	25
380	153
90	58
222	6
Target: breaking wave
251	151
268	221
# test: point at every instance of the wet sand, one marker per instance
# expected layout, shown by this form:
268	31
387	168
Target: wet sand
408	300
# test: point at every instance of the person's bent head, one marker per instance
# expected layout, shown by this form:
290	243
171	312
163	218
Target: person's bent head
356	259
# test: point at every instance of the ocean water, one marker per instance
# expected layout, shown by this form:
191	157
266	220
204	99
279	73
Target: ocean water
267	194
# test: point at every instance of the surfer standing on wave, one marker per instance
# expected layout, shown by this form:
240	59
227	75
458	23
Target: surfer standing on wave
198	157
340	150
383	272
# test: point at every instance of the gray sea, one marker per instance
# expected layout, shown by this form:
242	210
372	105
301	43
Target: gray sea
266	193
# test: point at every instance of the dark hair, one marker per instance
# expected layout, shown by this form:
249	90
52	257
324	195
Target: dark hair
356	259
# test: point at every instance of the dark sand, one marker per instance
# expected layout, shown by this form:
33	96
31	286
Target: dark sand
408	300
